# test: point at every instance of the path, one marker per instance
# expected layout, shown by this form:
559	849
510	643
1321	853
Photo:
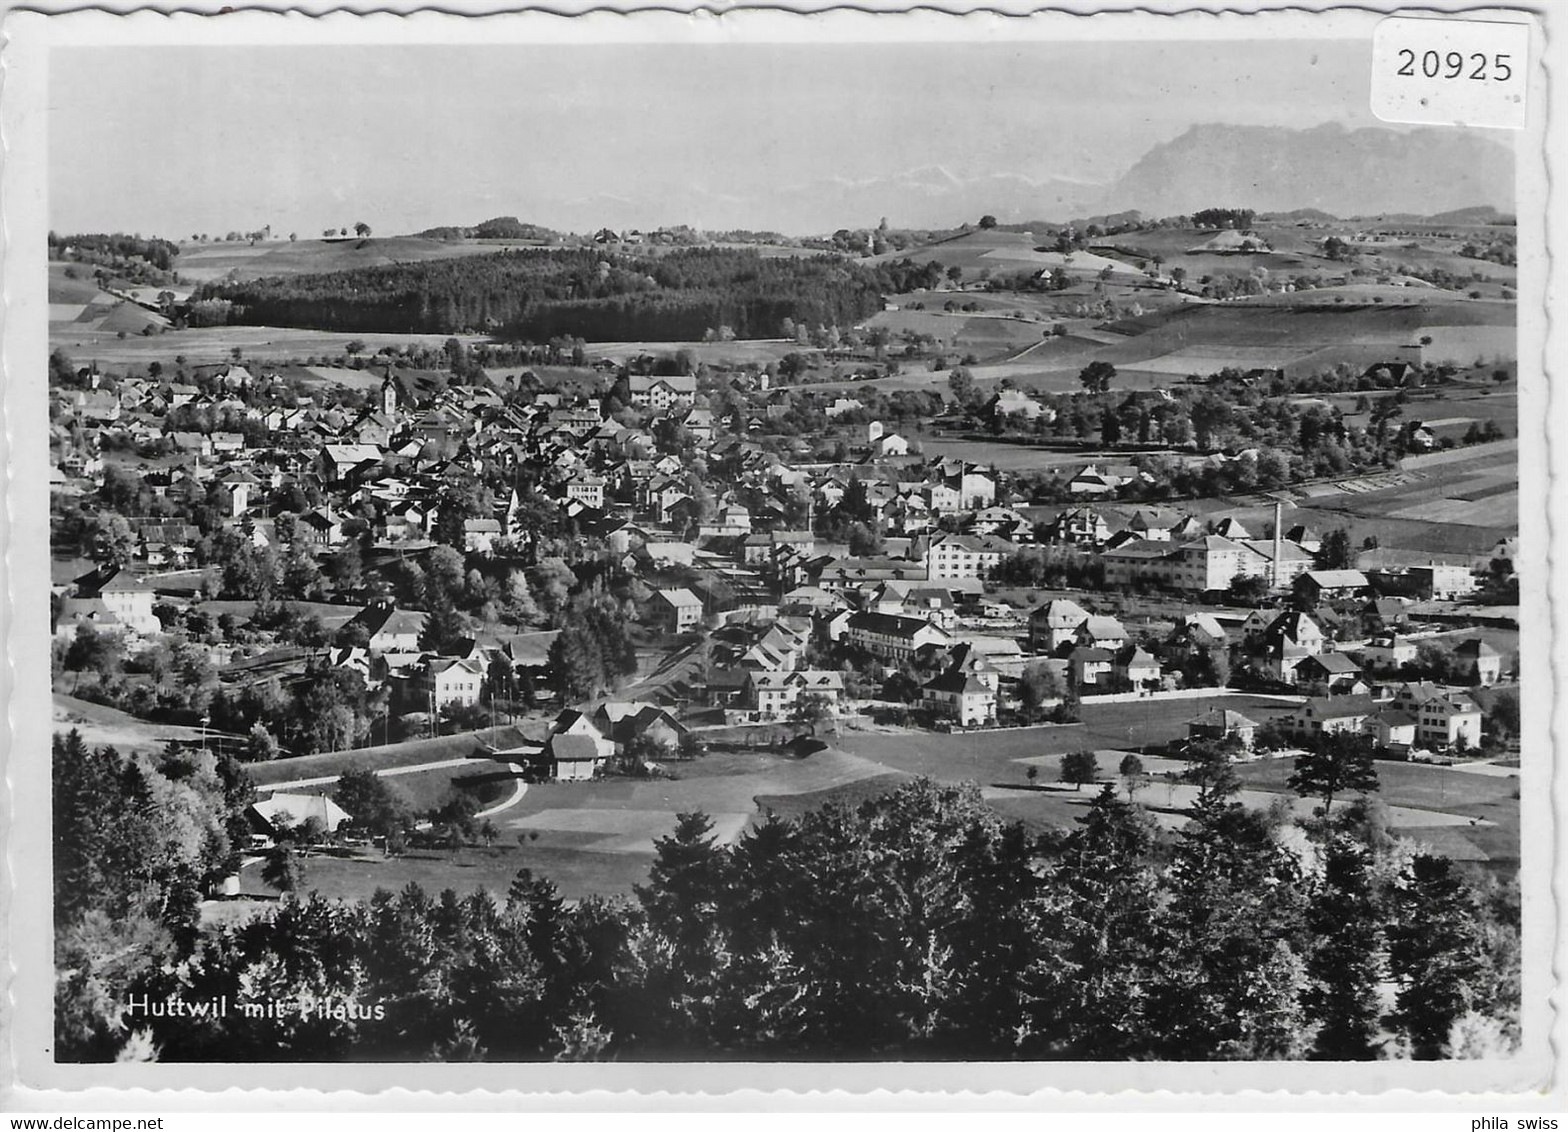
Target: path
329	779
517	794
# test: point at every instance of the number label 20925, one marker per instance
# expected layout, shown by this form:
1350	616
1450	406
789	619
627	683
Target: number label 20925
1445	71
1476	65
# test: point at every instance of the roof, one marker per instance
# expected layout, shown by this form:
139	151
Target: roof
573	748
1475	647
123	581
890	624
297	807
1102	626
956	681
1061	613
1339	707
1085	653
1393	717
1337	579
388	619
1218	717
809	679
1335	663
681	598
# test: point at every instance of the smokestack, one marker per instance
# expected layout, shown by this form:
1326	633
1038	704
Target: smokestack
1279	509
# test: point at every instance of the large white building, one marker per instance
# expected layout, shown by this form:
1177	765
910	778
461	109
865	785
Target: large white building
965	556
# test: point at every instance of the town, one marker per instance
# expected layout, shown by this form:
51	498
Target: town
449	607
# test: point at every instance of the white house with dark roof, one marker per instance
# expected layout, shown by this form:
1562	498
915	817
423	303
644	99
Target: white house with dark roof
1222	723
961	696
774	694
1055	623
677	610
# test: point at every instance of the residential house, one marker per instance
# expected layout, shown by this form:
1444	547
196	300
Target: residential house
439	682
677	610
481	535
1479	661
386	628
1326	715
1133	668
1334	672
338	463
587	489
1100	632
1221	723
574	724
125	597
1290	638
1388	653
1054	624
773	694
320	526
961	696
1089	668
573	758
1445	717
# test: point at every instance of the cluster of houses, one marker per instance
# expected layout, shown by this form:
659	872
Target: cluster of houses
682	494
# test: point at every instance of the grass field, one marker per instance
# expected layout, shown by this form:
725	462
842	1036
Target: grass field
1417	786
211	344
210	262
369	758
102	726
597	837
576	872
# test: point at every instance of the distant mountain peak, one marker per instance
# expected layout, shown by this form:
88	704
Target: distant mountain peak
1337	169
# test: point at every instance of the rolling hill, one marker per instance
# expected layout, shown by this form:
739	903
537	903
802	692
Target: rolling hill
210	263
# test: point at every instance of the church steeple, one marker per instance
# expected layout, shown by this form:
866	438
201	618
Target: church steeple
388	394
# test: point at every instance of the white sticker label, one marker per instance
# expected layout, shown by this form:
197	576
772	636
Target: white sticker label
1450	72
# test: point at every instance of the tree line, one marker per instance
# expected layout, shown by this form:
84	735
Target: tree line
536	295
915	926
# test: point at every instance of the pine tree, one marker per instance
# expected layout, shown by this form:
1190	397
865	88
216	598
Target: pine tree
1435	954
1339	761
1230	985
1343	917
444	626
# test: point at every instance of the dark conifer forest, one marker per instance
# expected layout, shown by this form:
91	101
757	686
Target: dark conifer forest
917	925
536	295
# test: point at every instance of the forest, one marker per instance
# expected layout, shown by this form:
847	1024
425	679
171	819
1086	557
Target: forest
536	295
916	925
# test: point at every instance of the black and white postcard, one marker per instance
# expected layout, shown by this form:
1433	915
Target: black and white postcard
863	550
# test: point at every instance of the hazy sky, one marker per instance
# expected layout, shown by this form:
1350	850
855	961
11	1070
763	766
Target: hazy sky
175	140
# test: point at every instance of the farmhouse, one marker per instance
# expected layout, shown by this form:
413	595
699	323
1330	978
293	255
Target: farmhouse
272	815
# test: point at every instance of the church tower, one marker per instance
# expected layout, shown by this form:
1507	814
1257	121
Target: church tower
388	395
